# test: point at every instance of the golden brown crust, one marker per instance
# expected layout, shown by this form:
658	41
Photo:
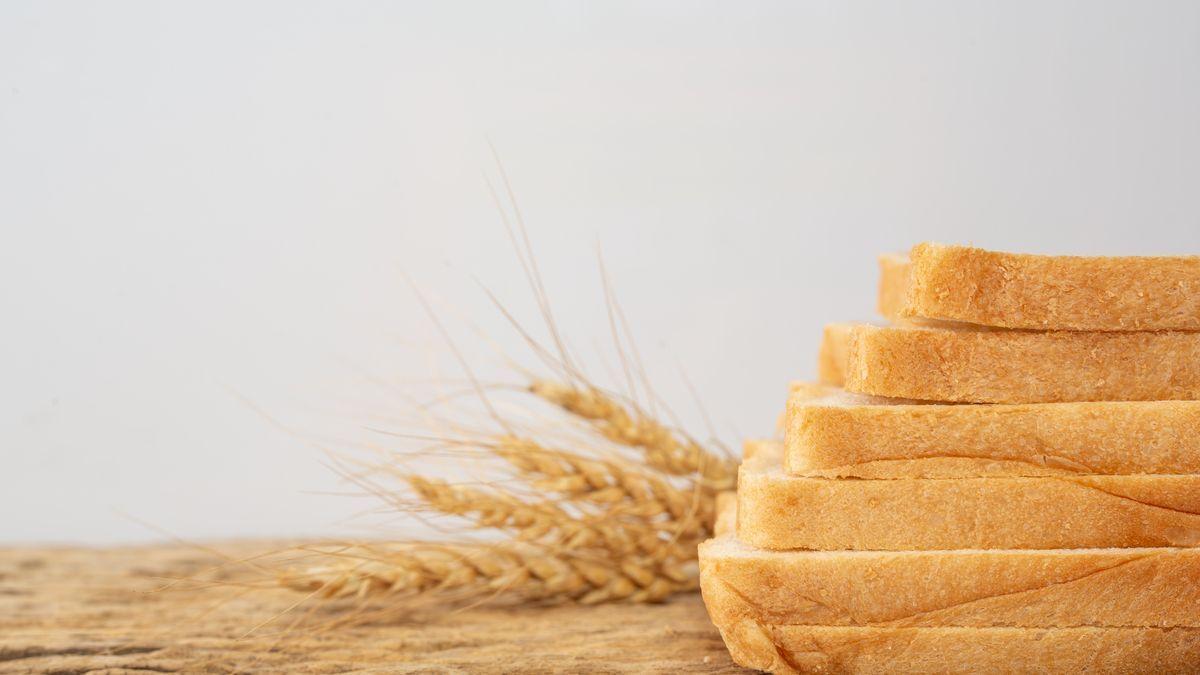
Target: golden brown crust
999	366
848	435
755	643
1056	588
778	511
1011	290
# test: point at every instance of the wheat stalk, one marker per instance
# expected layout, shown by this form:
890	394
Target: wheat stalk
630	532
600	528
631	535
663	448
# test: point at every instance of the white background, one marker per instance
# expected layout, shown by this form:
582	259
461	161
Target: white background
212	202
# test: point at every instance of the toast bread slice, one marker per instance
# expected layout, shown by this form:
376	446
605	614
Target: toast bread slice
783	512
1003	366
832	433
861	650
1013	290
1061	588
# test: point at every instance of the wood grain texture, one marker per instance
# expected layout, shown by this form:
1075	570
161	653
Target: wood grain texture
76	610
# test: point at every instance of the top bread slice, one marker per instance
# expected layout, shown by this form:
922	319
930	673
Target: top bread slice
1013	290
832	433
981	365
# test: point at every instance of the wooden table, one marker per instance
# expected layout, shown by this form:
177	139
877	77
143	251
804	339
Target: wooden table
73	610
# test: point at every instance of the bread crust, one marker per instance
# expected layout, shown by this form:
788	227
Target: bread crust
979	588
1000	366
780	648
1013	290
781	512
835	434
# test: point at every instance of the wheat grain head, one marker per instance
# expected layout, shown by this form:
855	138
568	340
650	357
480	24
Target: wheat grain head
476	571
664	449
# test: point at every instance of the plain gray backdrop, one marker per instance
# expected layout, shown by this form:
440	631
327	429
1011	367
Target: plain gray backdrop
210	209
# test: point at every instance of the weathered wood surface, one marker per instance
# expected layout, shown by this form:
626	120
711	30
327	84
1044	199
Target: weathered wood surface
71	611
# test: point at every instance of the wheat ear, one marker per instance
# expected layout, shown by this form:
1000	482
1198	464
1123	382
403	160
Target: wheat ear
608	482
479	570
663	448
544	522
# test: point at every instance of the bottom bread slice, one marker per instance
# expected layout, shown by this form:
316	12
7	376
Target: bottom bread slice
1147	587
897	651
780	647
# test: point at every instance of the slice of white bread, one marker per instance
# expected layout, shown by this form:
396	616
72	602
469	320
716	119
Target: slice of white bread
1002	366
832	433
782	512
1012	290
894	269
1130	587
857	650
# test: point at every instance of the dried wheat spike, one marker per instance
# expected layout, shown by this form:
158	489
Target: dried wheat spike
627	425
548	523
615	484
468	571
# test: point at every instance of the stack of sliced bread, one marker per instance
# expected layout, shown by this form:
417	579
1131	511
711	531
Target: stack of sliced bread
1004	478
